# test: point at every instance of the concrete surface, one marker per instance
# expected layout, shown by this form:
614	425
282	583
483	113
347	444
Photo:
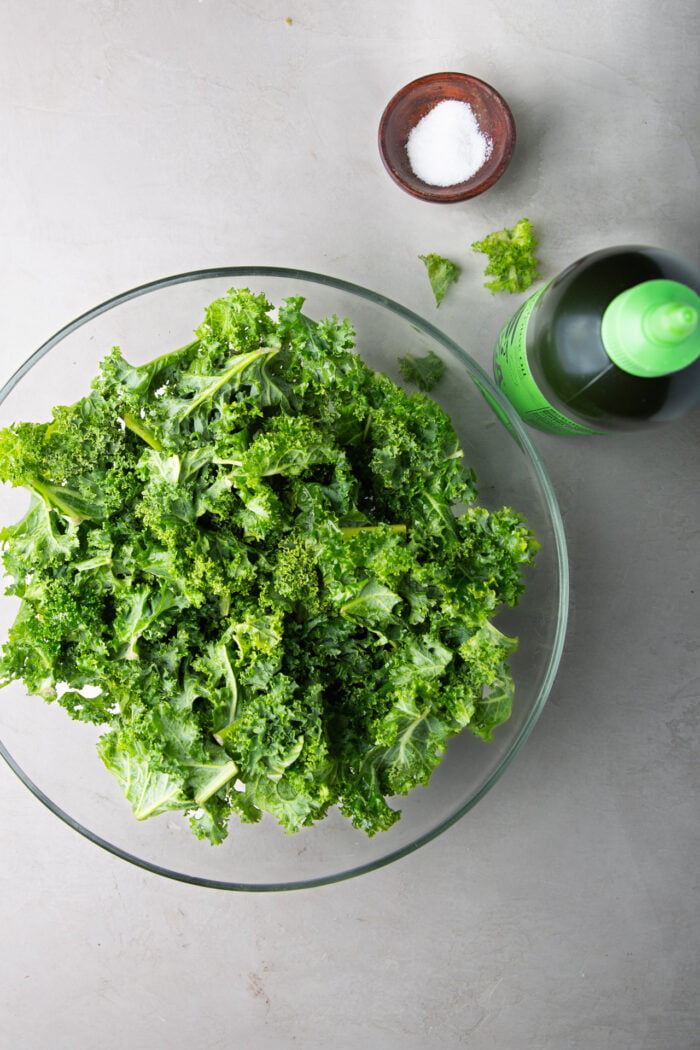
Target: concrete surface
141	138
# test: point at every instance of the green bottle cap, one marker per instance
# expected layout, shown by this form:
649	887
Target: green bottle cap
653	329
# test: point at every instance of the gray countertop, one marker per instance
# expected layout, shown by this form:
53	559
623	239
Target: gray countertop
142	138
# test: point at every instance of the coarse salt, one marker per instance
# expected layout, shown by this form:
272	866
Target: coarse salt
447	146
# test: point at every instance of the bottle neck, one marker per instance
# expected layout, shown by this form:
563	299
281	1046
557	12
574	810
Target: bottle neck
652	329
670	324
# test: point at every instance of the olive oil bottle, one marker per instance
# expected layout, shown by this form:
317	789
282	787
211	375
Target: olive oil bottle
612	343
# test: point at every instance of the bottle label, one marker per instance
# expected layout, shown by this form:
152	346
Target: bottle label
512	373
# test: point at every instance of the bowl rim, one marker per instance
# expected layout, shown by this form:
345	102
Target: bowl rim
522	438
470	188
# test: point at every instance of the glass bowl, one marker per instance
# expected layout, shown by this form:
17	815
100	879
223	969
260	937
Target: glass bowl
56	758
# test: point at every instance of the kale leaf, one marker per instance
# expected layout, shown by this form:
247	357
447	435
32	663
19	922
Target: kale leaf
511	255
441	274
425	372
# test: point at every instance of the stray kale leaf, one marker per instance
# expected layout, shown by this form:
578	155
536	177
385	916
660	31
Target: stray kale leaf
512	259
244	561
441	274
425	372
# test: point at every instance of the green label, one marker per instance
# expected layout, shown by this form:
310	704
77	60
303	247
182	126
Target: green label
512	373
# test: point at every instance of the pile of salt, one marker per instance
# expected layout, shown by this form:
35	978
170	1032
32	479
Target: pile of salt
447	146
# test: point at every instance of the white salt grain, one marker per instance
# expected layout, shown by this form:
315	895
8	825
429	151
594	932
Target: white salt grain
447	146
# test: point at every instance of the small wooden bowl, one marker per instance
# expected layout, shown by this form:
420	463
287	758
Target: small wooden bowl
412	102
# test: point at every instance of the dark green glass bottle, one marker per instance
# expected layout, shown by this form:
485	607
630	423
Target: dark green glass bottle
612	343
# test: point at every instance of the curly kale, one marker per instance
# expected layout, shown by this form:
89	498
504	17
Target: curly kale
441	273
246	562
424	372
511	255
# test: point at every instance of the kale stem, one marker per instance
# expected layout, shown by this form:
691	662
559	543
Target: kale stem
239	364
226	773
137	427
349	531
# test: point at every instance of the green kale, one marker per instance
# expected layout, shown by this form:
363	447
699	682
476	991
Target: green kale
245	562
425	372
441	274
512	259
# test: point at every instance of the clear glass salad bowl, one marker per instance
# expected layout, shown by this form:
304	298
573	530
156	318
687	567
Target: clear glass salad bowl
56	757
